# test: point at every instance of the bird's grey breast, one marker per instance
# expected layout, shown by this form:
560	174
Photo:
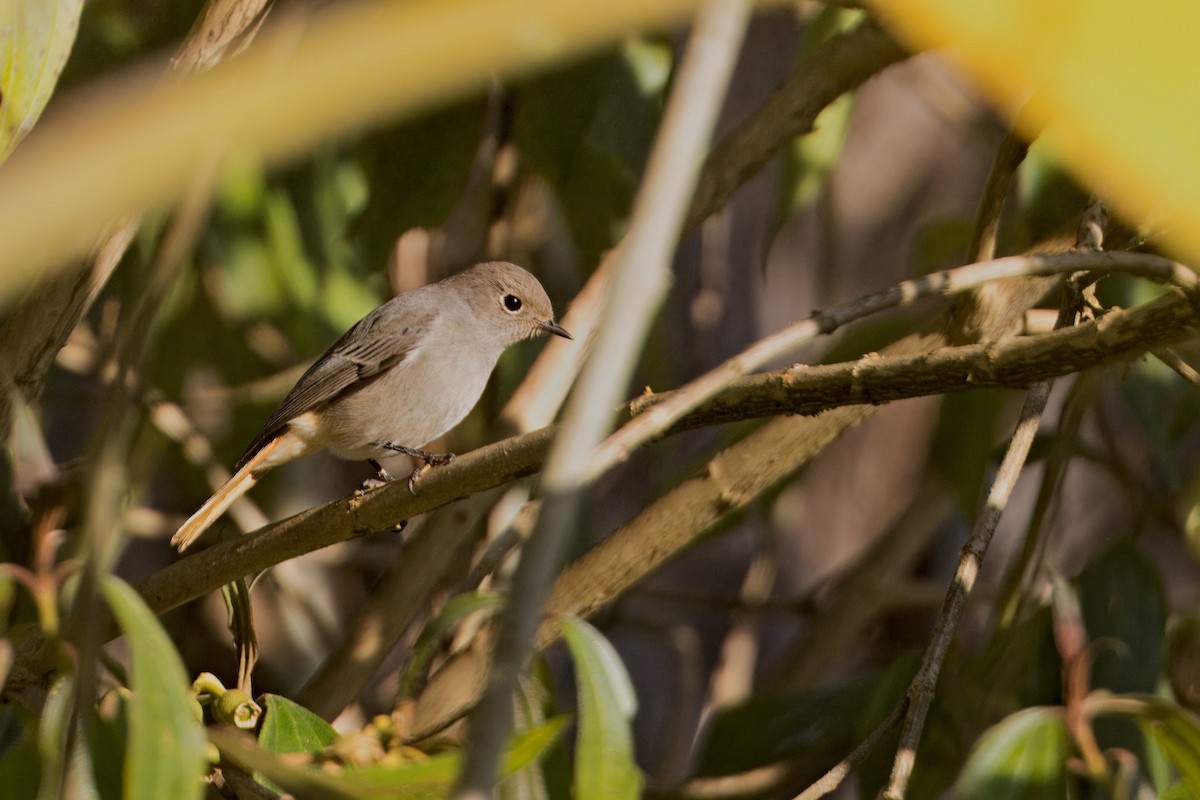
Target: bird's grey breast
444	371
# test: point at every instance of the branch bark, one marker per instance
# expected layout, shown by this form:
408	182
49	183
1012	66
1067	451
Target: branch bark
801	389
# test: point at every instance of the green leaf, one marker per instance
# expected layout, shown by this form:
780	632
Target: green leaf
62	775
1177	791
108	740
21	762
35	40
1023	756
1177	733
165	757
291	728
604	765
1121	596
454	611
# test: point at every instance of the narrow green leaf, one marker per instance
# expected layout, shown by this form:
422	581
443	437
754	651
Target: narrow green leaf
108	740
35	40
1023	756
429	643
291	728
63	774
166	742
604	765
1177	733
1177	791
21	762
1125	613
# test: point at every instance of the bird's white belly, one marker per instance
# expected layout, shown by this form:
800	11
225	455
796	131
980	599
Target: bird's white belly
410	405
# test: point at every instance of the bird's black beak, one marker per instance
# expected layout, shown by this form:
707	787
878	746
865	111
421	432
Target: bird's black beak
550	326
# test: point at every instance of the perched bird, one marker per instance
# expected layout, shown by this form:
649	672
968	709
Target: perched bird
401	377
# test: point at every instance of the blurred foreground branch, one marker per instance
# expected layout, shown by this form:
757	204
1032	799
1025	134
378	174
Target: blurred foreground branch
39	325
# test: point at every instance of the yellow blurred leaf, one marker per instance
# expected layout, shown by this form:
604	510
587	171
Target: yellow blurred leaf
1112	82
311	76
35	40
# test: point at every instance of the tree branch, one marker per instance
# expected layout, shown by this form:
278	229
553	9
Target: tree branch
618	447
1013	363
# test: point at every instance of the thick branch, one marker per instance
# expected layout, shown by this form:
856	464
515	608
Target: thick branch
1015	362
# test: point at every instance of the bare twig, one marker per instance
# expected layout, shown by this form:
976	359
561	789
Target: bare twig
921	690
617	448
1015	362
923	686
640	278
1009	156
832	779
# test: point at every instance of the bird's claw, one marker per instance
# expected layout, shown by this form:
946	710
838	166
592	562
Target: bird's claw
431	460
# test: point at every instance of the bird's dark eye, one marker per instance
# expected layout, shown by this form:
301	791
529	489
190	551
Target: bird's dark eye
512	302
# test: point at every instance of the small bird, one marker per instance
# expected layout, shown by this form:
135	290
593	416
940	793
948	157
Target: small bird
401	377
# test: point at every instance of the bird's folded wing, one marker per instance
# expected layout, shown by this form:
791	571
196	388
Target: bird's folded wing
363	353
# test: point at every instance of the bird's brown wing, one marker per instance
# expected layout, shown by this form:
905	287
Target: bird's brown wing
364	352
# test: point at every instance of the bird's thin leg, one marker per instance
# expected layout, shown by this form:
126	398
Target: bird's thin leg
371	483
382	477
430	459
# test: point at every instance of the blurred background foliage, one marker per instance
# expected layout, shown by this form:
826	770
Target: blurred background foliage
1090	595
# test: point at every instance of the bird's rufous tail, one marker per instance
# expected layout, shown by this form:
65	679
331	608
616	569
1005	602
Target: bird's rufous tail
224	497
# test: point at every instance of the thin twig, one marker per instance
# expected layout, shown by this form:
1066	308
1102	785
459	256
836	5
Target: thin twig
923	686
618	447
921	690
1009	156
832	779
1015	362
1172	359
639	281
